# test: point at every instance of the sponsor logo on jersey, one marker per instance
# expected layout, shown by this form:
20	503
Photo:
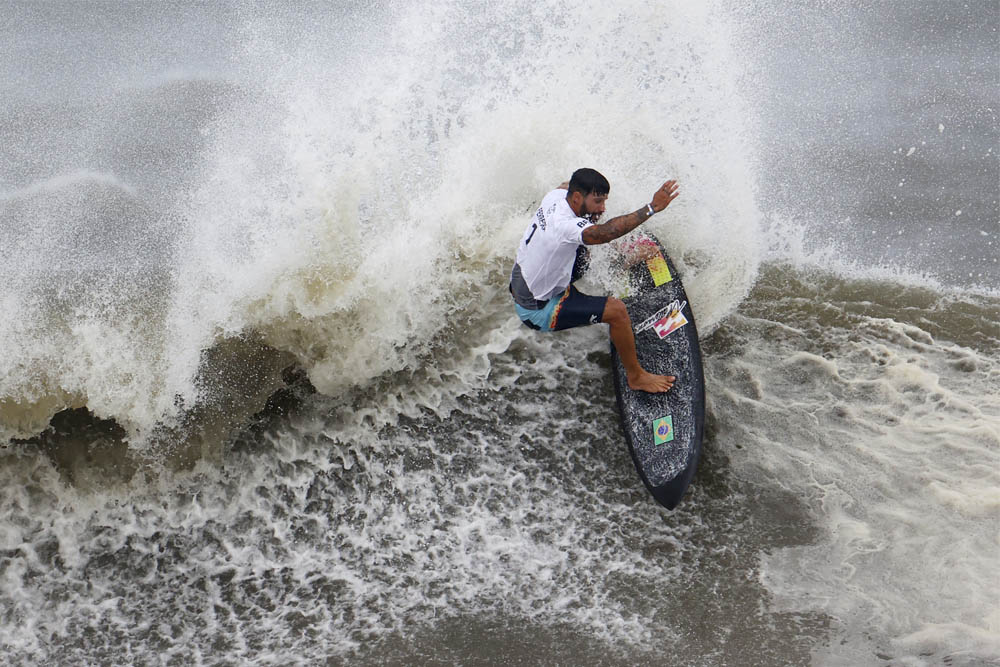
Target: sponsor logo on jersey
541	218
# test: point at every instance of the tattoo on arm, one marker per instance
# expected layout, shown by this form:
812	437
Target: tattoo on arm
615	227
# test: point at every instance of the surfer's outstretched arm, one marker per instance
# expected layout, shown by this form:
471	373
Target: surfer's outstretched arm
618	227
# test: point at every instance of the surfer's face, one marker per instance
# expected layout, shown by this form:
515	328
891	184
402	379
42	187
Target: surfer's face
593	206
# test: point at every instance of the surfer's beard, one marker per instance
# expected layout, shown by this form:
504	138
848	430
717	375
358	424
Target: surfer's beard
593	217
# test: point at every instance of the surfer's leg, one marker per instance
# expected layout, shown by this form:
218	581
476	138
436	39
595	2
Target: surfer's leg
616	316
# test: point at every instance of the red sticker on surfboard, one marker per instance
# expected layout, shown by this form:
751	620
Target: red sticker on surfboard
666	320
672	322
657	265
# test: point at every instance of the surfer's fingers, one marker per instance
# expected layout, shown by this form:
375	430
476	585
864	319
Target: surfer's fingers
666	194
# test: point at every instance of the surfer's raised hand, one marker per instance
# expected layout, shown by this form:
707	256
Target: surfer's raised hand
662	197
620	226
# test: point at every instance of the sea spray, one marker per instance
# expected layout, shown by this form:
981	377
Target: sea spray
357	212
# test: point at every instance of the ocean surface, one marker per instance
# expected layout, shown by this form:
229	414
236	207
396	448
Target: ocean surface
264	400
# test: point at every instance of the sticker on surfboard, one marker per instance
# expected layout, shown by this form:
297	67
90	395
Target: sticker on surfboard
669	324
666	320
659	270
663	430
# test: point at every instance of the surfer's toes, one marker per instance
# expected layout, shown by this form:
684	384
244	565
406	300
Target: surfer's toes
654	384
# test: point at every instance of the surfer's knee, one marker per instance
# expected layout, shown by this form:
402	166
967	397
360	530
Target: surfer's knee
615	312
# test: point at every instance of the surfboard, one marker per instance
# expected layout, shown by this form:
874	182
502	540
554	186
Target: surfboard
663	431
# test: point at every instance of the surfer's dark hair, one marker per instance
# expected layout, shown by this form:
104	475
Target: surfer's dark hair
588	181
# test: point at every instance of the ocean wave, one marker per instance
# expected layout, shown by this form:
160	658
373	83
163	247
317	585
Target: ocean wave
359	222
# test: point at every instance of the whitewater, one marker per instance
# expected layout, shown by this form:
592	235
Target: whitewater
264	399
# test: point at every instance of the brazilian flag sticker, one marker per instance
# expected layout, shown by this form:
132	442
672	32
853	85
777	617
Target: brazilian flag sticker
663	430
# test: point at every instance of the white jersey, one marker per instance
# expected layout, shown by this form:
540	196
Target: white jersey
548	249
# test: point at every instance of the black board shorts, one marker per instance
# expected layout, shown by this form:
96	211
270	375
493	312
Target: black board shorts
571	309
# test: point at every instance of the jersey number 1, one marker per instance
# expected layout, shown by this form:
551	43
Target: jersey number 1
534	228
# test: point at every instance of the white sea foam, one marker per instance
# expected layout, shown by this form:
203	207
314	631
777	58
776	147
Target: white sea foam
896	453
358	219
357	535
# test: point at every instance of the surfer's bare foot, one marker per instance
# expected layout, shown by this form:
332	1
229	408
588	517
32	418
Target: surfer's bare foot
653	384
623	339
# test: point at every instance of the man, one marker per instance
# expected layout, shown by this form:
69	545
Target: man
550	258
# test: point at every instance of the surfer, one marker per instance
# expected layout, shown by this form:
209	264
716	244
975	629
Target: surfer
553	254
